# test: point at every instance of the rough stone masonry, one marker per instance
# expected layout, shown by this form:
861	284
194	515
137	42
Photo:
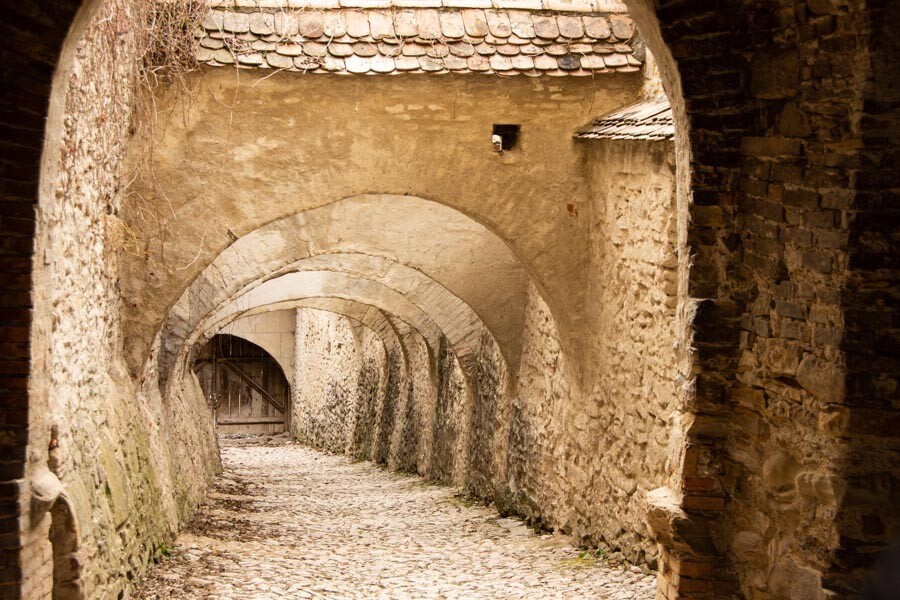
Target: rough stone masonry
735	421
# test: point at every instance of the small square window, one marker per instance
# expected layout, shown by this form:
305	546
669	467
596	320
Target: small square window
505	136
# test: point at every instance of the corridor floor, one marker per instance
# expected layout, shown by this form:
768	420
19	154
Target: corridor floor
285	521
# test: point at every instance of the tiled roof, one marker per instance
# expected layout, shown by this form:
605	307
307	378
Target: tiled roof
597	6
647	120
406	40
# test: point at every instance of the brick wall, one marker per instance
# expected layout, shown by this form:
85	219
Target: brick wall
24	101
789	237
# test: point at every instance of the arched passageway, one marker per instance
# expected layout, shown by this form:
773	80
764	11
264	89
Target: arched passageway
782	286
408	539
245	386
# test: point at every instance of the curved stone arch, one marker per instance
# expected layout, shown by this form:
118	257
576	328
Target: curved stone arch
298	287
286	370
366	314
455	319
463	256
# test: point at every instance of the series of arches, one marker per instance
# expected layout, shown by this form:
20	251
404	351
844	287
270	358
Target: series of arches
712	167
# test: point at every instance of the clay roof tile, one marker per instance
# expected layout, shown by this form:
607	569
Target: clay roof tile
478	62
406	63
381	24
647	120
357	23
334	25
521	24
500	63
452	25
475	22
596	27
498	23
427	63
570	26
405	23
545	27
372	40
429	24
357	64
622	26
310	24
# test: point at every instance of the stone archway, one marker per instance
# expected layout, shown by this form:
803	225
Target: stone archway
752	154
246	387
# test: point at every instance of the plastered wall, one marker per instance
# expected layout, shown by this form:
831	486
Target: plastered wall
273	331
406	135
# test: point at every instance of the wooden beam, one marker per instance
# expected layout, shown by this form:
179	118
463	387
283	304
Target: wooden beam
252	421
248	359
250	381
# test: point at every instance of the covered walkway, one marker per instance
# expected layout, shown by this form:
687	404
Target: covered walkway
285	521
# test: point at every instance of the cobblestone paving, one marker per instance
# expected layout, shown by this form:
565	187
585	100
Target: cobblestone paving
285	521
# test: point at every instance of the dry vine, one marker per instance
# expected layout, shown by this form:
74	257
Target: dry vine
166	36
165	49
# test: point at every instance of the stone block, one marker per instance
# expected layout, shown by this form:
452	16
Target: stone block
825	380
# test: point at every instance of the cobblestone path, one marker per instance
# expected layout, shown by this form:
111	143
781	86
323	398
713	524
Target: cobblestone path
289	522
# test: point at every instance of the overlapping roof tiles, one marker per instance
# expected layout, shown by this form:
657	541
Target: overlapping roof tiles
647	120
430	40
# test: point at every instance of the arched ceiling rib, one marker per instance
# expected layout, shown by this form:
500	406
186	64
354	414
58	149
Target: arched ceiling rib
452	319
457	320
366	314
461	255
299	288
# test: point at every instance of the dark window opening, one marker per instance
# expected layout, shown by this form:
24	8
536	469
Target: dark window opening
507	134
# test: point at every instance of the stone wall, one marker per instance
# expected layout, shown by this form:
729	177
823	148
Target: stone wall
789	407
570	441
395	404
541	390
130	466
451	420
533	443
784	468
338	382
630	383
423	388
591	435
